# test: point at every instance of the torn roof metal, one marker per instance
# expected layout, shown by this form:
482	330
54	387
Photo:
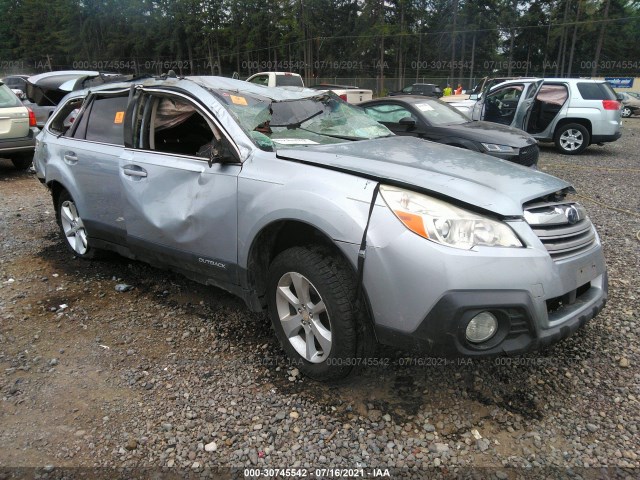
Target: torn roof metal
276	94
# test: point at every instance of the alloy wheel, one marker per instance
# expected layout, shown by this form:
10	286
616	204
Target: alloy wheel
73	227
571	139
304	317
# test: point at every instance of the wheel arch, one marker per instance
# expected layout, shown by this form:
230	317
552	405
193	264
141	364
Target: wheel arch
56	189
580	121
281	235
275	237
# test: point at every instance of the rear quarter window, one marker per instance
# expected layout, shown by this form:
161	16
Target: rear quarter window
106	120
596	91
65	116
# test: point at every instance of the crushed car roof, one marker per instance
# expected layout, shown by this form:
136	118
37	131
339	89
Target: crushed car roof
277	94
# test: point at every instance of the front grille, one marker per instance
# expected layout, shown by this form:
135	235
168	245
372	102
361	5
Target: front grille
529	155
563	229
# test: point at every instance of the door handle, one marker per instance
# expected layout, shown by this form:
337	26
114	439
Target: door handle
134	171
70	158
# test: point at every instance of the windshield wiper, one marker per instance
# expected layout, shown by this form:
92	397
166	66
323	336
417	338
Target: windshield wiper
293	126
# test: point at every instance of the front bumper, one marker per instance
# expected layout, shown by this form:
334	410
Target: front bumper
422	295
442	332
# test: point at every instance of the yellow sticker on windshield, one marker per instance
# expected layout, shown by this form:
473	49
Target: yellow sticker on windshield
119	117
239	100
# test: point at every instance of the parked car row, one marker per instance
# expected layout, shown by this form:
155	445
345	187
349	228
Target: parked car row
572	113
308	208
415	111
509	115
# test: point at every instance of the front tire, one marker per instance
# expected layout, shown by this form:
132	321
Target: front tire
315	315
572	138
72	227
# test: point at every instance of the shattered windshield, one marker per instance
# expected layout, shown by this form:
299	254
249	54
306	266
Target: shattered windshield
321	119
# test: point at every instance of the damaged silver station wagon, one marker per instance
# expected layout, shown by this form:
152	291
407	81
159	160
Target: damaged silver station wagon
304	206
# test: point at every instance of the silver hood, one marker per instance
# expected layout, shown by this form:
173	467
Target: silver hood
473	178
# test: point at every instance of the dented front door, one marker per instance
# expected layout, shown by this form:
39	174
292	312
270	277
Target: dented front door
179	209
181	212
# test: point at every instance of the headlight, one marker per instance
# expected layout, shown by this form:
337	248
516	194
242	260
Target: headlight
444	223
492	147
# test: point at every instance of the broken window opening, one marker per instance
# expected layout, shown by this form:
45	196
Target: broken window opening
177	126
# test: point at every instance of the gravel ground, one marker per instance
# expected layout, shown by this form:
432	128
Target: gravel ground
173	374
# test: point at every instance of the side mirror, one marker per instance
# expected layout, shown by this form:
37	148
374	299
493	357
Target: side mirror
224	153
408	122
220	152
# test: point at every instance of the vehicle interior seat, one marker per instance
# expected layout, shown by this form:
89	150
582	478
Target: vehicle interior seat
180	129
547	105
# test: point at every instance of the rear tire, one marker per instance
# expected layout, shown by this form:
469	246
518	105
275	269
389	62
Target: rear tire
572	139
22	162
72	227
625	112
315	315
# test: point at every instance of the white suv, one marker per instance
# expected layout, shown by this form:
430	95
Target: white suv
573	113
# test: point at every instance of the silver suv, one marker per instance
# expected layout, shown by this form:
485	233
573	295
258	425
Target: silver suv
572	113
305	207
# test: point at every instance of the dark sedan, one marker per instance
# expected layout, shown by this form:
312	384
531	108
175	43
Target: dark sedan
426	89
433	120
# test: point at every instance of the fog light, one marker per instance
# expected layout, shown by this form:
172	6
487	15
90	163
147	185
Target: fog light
482	327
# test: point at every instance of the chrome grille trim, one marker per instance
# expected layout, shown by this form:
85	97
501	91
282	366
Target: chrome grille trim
564	229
